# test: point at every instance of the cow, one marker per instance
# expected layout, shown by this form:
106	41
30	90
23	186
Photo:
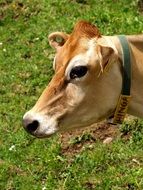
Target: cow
87	82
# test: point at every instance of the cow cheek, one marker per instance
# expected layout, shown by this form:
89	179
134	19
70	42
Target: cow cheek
75	95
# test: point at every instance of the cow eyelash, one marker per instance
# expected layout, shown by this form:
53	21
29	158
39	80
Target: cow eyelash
78	72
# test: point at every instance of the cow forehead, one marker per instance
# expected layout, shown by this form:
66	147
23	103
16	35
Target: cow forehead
83	58
77	52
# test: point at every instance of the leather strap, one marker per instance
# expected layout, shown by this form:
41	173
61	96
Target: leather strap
124	99
126	85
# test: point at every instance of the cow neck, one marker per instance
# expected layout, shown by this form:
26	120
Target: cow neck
124	98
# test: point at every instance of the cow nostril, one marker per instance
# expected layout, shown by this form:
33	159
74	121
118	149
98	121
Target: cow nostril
33	126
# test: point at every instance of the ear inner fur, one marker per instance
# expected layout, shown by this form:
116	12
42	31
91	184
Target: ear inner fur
104	54
53	39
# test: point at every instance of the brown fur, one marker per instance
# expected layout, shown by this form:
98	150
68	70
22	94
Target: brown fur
81	102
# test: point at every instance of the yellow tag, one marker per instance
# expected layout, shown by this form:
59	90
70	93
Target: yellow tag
121	109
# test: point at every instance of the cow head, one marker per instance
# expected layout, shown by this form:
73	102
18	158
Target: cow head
80	92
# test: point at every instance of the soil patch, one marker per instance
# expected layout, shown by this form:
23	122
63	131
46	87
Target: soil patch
72	142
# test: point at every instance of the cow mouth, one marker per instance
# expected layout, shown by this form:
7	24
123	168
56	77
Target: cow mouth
42	134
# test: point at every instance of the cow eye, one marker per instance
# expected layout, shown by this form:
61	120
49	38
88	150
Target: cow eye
78	72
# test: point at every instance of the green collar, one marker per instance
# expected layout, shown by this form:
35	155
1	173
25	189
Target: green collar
123	102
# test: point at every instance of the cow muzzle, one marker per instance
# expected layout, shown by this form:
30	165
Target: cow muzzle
39	125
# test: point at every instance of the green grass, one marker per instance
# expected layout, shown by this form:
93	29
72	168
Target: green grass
27	163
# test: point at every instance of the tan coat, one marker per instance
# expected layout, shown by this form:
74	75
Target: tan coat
87	82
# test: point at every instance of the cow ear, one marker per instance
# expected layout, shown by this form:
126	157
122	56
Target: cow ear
105	55
57	39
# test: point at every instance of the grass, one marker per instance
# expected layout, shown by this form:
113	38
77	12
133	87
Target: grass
26	68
